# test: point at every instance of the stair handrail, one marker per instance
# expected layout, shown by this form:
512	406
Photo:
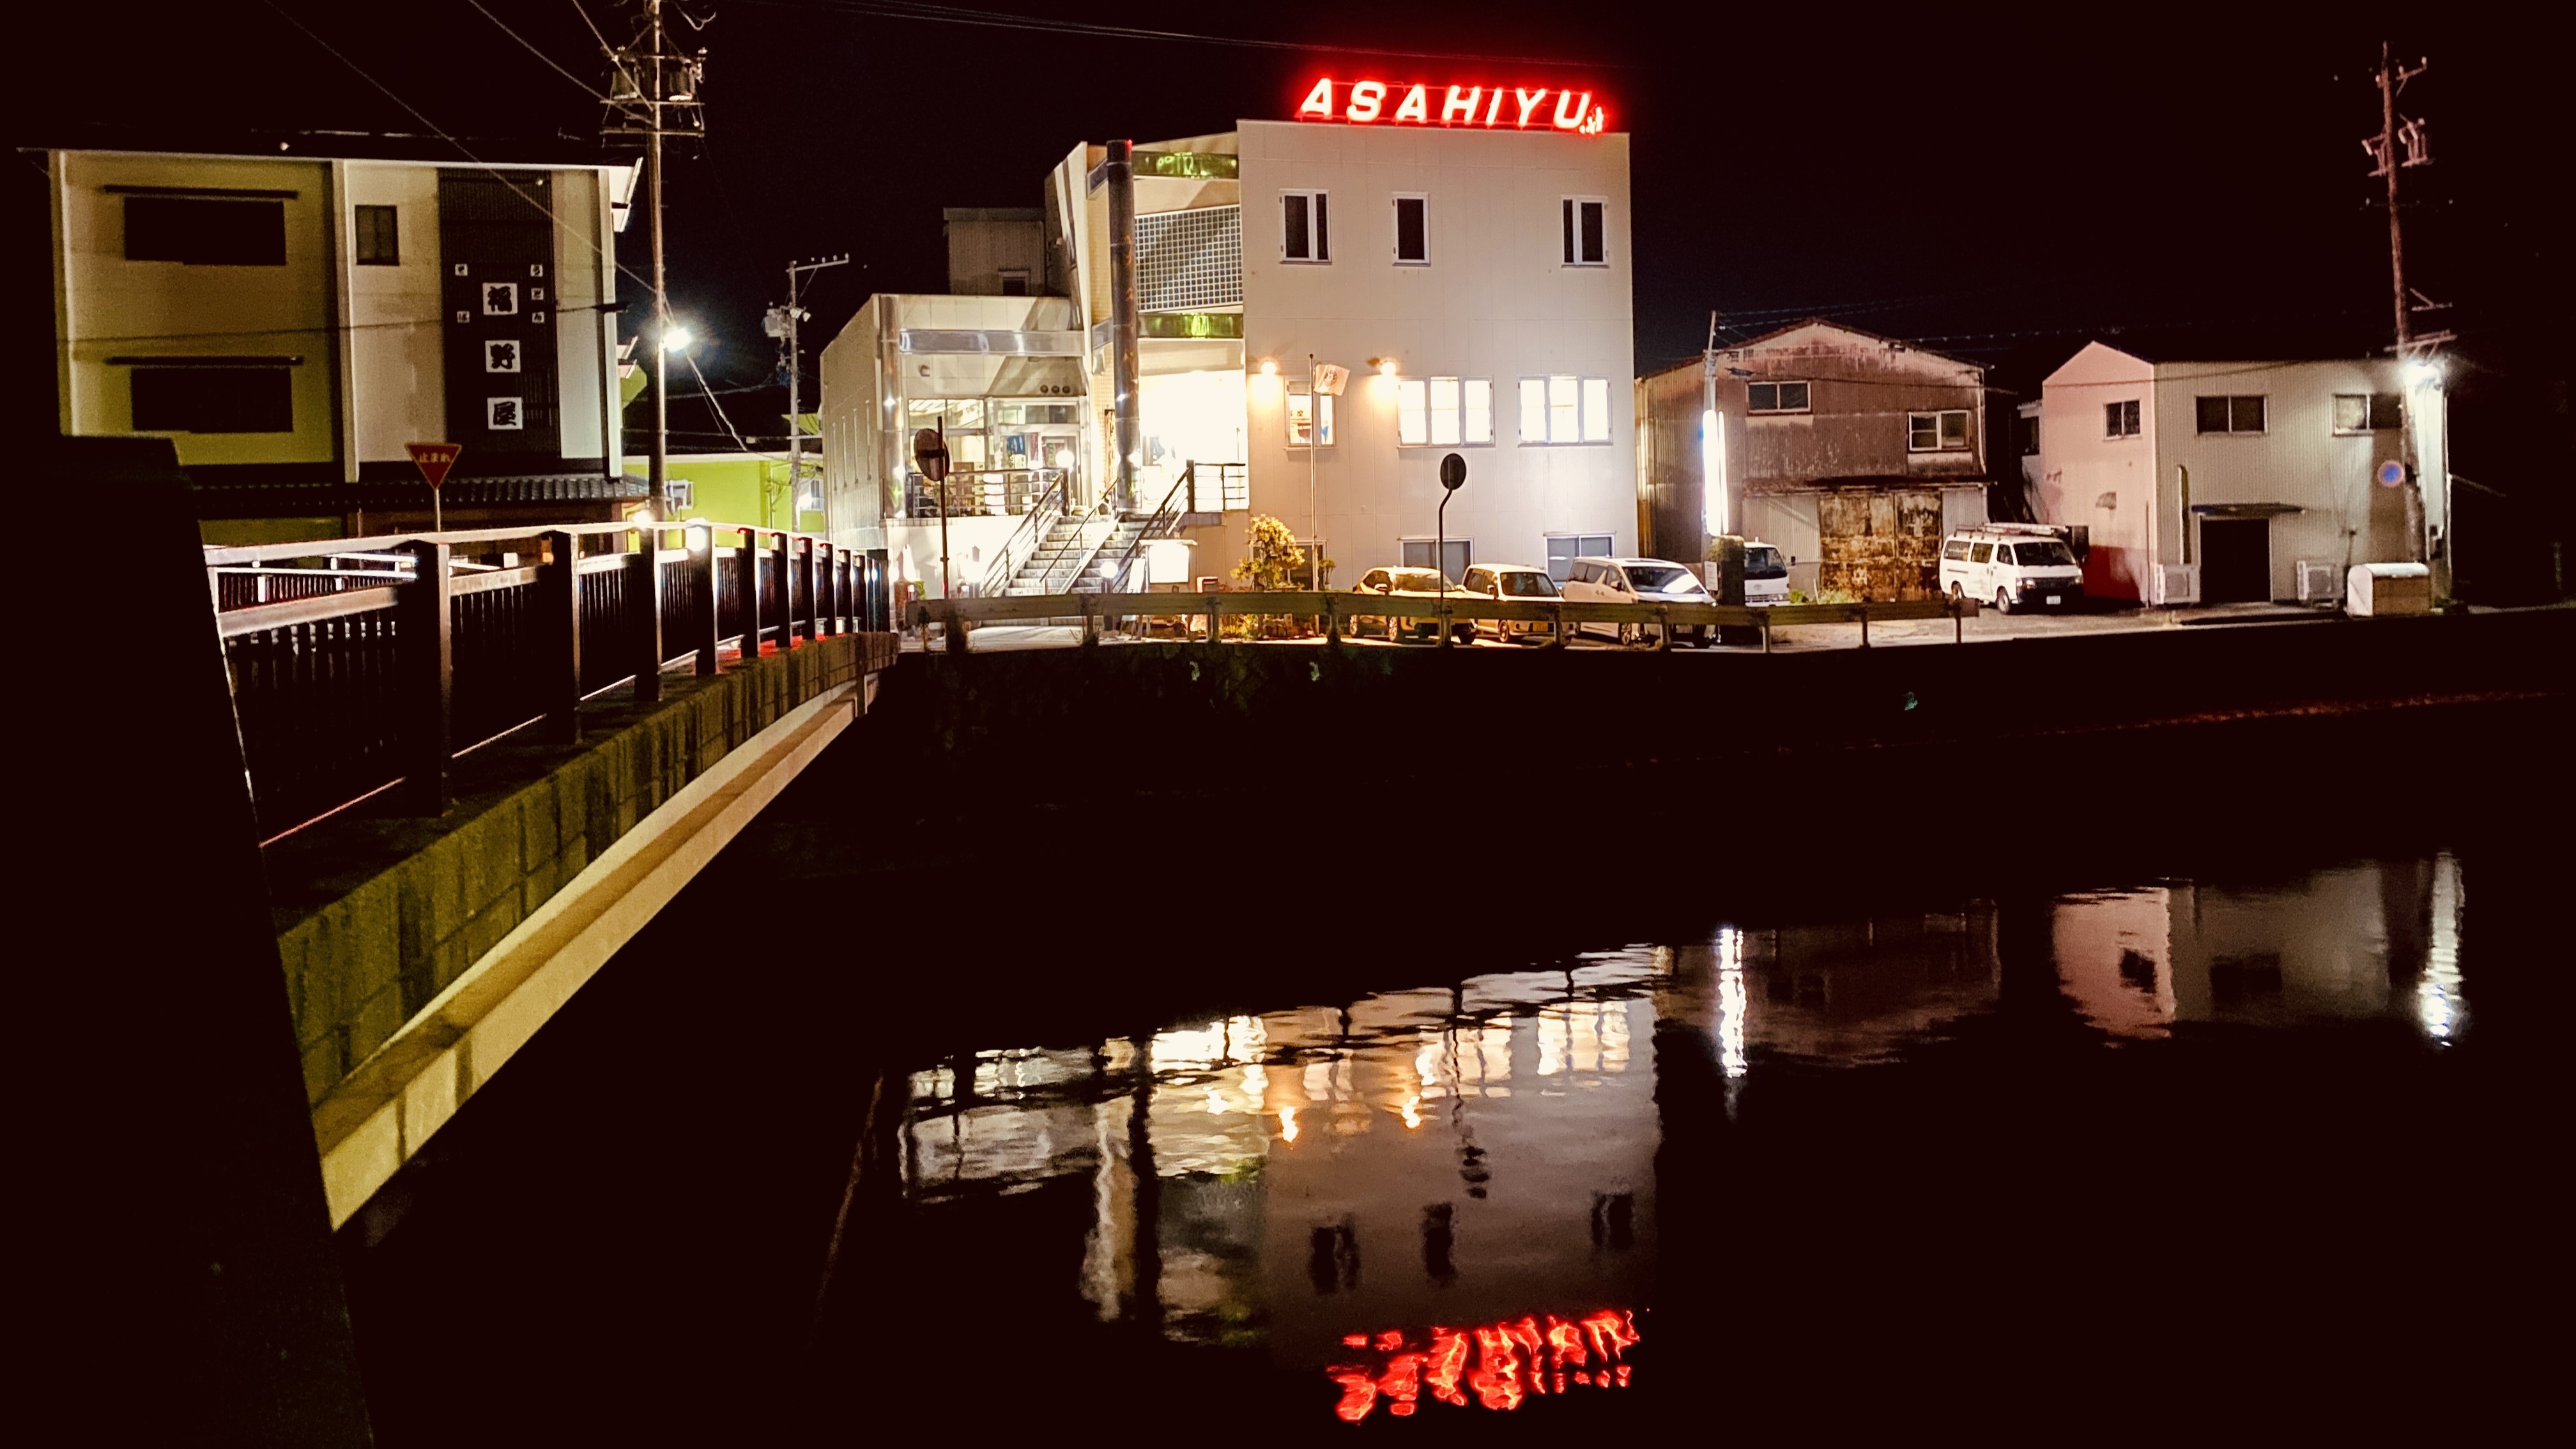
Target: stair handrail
1163	522
1081	556
1034	524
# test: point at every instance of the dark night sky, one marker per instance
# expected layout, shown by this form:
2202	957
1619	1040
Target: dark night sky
1993	185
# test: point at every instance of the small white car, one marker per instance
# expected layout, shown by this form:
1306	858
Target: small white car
1510	581
2012	566
1640	581
1409	583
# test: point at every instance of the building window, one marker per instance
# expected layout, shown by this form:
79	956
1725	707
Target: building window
1941	432
1412	231
1303	233
682	493
378	242
1586	231
1565	410
206	231
2242	413
2026	434
2368	412
1564	548
1443	412
226	399
1300	412
1417	555
1015	281
1776	397
2120	419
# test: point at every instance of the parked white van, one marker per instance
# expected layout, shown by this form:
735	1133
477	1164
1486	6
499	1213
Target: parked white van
1639	581
2012	566
1766	574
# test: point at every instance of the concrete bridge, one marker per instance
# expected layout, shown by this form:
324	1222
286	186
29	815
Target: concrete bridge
409	793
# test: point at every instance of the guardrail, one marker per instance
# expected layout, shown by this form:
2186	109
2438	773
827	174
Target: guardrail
1334	611
358	664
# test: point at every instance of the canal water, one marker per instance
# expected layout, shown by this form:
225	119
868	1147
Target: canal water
2203	1142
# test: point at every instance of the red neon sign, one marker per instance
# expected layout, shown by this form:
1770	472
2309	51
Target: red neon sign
1369	102
1513	1362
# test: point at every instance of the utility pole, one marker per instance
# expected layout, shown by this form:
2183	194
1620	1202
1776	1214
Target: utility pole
653	93
2383	148
2400	144
781	324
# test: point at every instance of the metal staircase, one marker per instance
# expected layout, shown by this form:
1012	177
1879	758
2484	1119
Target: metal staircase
1099	552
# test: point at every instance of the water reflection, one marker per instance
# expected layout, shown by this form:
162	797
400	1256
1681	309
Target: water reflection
1427	1194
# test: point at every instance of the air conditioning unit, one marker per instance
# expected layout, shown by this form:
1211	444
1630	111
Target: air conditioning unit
2178	583
2320	581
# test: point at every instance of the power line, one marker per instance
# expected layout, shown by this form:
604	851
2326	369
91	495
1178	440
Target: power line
597	248
530	48
996	20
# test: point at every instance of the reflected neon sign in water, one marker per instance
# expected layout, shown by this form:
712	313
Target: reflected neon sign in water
1494	1366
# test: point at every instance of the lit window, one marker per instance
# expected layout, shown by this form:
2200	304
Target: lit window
1941	432
1444	411
2369	412
1478	425
1298	414
1413	231
2120	419
1412	403
1304	235
1586	225
1565	410
1776	397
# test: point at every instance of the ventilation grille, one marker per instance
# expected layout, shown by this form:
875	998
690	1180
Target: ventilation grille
2320	582
2178	584
1187	261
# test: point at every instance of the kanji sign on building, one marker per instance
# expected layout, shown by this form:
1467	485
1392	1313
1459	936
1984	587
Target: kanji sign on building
434	459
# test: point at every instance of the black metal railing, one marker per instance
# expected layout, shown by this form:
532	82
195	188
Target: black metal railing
371	663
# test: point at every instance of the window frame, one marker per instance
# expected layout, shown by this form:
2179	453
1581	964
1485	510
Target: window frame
1583	389
362	232
153	227
1940	443
1460	389
1405	544
1806	402
154	376
1319	227
1571	231
1288	416
2119	424
1609	548
2200	423
1395	245
2370	423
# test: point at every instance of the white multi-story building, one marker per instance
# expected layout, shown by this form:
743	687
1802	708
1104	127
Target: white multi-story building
1472	279
2231	482
292	322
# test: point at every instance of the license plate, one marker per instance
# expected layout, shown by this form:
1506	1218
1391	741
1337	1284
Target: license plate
2055	598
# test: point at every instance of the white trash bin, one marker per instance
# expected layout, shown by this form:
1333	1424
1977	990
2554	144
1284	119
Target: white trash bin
2387	590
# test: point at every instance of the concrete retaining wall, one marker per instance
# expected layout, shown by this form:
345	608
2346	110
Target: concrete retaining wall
376	914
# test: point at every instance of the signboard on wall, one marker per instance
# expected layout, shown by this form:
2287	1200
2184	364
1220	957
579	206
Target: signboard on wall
1477	107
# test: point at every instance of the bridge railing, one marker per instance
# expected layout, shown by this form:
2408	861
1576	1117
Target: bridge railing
1334	613
363	664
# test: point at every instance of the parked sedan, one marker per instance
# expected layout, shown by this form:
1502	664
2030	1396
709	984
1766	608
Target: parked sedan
1410	583
1641	581
1510	581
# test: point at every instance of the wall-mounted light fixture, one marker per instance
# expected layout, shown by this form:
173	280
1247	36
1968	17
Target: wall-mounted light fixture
1270	367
